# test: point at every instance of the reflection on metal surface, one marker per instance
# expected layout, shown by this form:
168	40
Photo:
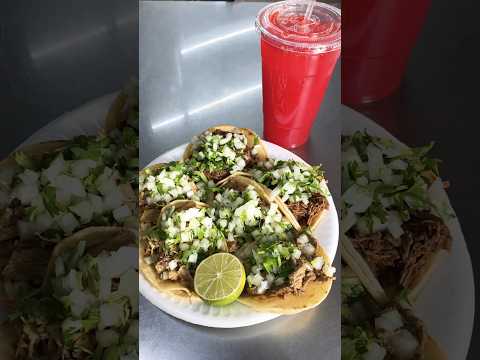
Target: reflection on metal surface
171	120
217	39
226	98
235	95
73	41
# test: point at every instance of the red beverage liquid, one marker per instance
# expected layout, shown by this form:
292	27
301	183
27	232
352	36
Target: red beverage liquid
296	72
378	37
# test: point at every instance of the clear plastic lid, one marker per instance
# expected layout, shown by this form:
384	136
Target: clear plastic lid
283	24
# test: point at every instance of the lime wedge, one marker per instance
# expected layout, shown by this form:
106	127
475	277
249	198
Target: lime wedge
219	279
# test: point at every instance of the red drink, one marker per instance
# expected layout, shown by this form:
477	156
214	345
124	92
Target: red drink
298	58
378	38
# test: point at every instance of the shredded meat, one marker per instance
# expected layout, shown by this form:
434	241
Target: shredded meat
162	265
424	235
28	261
185	277
247	156
298	280
216	175
306	212
378	251
232	246
182	274
422	239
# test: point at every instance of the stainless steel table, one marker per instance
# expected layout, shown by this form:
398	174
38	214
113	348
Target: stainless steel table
200	66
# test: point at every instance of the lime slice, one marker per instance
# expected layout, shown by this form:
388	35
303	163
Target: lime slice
219	279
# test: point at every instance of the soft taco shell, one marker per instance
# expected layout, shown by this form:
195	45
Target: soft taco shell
428	347
117	114
433	351
154	167
172	288
34	151
360	266
314	294
250	135
97	239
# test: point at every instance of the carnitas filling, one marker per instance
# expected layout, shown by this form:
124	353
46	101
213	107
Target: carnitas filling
282	268
173	181
239	222
392	208
220	153
302	187
405	259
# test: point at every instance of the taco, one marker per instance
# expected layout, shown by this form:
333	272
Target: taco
300	187
172	243
161	184
51	190
88	306
292	273
124	111
223	150
287	272
121	127
394	230
375	331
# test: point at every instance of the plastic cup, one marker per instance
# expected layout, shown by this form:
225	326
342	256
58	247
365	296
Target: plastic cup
298	58
378	37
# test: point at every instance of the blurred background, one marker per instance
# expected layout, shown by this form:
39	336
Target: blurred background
57	55
412	67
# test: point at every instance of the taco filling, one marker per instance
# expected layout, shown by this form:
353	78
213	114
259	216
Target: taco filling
162	184
91	312
64	190
180	240
51	196
280	268
370	331
387	208
241	222
244	217
302	187
219	153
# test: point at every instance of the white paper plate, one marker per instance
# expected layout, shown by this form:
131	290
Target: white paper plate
235	315
447	303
